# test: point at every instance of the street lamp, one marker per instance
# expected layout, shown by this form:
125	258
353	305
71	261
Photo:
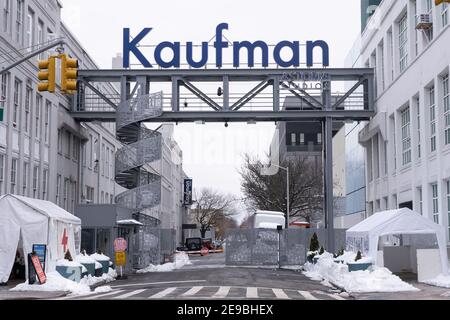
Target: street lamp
287	191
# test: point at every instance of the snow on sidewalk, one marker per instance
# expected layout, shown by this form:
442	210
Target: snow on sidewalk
439	281
56	282
376	279
181	259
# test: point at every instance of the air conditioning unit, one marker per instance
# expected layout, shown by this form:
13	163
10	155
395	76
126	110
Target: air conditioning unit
424	21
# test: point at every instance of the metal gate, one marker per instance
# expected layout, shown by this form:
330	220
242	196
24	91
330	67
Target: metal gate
267	247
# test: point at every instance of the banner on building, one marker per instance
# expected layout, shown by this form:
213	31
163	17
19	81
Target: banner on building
187	192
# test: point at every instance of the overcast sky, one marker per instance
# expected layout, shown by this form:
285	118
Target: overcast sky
212	153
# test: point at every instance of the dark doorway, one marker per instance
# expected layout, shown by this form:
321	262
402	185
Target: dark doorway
408	205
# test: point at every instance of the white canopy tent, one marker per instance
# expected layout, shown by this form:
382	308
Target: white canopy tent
365	235
29	221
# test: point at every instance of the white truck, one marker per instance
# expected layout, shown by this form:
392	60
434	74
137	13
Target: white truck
268	220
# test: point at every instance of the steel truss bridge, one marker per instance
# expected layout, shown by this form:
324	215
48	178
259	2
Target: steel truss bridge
243	95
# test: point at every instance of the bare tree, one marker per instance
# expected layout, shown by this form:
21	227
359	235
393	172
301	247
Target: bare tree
211	208
269	192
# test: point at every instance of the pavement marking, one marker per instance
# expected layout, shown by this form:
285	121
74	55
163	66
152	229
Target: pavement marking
152	283
163	293
130	294
102	295
280	294
334	296
192	292
307	295
446	294
222	292
252	293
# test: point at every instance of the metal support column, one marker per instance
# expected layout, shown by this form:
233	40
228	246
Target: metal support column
226	93
328	168
276	94
175	94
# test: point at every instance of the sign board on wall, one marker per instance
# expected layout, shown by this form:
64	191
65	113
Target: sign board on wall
187	192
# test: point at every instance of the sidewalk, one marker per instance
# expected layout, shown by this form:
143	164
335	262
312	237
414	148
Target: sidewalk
6	294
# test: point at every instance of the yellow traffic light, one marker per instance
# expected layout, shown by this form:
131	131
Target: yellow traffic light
69	74
47	69
438	2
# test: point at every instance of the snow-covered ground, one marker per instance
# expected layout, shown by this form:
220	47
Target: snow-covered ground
376	279
56	282
440	281
181	259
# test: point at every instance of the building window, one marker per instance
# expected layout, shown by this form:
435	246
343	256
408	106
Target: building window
102	197
420	194
444	14
38	116
429	8
48	108
382	65
25	179
66	193
28	102
16	107
30	31
448	202
435	202
302	138
45	185
60	138
67	144
293	139
406	136
76	148
432	120
111	165
107	163
2	172
13	175
6	15
40	37
19	22
4	90
319	138
58	189
403	42
74	196
394	130
35	182
446	108
89	194
103	159
419	136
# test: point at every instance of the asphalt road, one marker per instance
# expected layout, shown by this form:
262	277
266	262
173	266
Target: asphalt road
208	278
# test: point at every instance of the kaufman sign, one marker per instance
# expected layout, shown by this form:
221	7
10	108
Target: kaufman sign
187	192
132	45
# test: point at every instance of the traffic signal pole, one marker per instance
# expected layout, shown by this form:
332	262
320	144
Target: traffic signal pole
31	55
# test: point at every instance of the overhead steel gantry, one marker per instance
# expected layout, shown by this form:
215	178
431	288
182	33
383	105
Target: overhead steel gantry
133	106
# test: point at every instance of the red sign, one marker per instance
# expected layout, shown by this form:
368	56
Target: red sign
38	268
204	251
120	245
65	239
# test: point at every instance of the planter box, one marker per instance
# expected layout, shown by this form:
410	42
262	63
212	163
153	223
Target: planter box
105	266
359	266
90	268
98	272
71	273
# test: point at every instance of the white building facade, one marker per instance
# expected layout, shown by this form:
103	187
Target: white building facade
407	144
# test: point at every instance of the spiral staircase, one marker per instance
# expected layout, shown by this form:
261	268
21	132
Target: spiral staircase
142	146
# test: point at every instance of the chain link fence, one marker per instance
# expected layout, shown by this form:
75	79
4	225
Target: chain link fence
266	247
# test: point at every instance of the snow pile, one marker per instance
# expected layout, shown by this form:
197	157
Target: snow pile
439	281
106	277
84	259
55	282
375	279
181	259
73	264
104	289
99	257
